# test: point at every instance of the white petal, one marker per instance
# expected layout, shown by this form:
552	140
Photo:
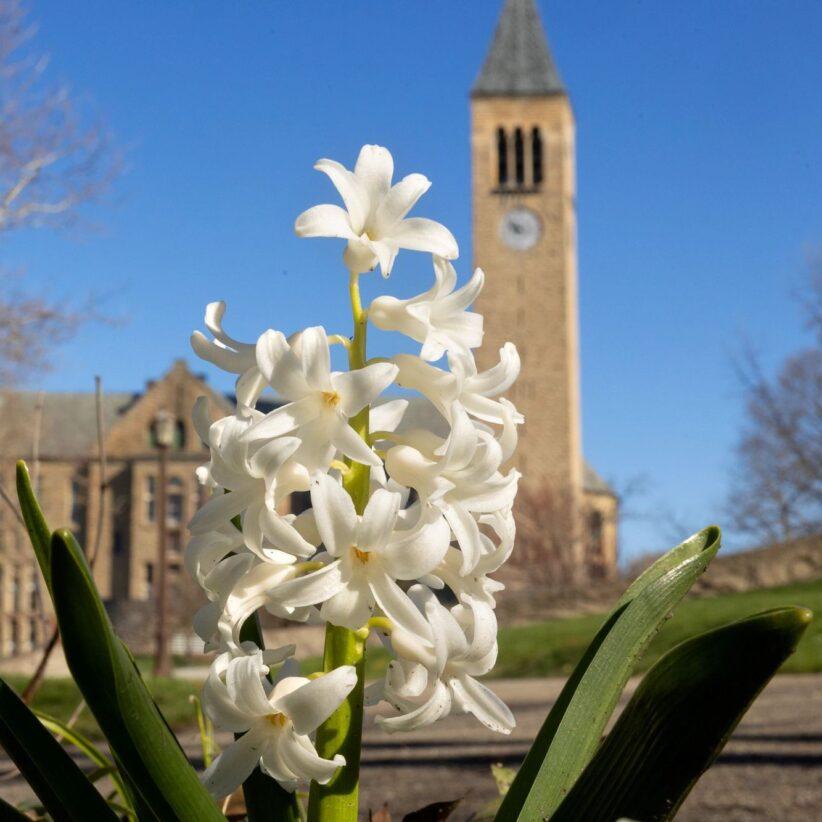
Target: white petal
467	534
387	416
233	766
375	167
220	509
417	554
354	192
315	358
378	520
396	604
311	704
283	535
438	705
225	358
359	256
499	378
361	387
351	607
267	460
201	418
335	515
324	221
465	296
421	234
318	586
245	686
398	201
301	757
473	697
273	764
220	706
283	420
346	439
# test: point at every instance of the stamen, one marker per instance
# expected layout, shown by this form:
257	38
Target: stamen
362	556
278	720
331	398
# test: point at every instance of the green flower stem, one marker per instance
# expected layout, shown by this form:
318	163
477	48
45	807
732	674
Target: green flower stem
341	733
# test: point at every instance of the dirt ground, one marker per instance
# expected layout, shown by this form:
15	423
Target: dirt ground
770	770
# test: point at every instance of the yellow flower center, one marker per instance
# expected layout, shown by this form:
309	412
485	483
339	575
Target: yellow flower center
362	556
277	720
331	398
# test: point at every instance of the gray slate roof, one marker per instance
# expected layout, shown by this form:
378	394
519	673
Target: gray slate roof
519	62
69	426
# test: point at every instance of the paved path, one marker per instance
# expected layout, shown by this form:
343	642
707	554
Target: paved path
770	770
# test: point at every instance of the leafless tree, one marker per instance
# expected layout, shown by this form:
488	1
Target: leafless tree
55	158
777	484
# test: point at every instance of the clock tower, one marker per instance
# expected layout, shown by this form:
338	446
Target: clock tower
524	233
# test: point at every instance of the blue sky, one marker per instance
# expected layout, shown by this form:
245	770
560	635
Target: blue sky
700	175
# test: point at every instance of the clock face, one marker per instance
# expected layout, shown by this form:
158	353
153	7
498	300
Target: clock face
520	229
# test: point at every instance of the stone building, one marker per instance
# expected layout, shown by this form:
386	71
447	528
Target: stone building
64	461
525	239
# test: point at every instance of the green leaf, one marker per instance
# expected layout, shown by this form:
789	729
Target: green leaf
573	729
89	749
264	798
61	786
106	675
680	718
39	532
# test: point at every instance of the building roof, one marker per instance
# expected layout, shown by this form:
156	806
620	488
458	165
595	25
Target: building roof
519	61
69	422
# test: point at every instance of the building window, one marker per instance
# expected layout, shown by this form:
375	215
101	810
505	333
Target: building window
536	155
179	435
174	502
77	502
117	543
149	580
175	541
15	590
595	530
519	157
502	157
150	498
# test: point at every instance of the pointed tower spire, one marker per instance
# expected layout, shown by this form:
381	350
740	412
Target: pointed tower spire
519	62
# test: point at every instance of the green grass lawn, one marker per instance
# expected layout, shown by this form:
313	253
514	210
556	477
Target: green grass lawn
552	648
549	648
59	697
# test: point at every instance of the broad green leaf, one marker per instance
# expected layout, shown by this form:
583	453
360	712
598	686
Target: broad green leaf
39	532
61	786
680	718
89	749
573	729
264	798
115	693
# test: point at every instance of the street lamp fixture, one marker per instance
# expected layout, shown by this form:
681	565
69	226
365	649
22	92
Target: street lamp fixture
164	428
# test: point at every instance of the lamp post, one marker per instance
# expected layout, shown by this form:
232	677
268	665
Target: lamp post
164	437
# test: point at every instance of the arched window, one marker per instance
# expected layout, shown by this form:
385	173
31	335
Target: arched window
519	157
536	155
175	502
180	434
502	157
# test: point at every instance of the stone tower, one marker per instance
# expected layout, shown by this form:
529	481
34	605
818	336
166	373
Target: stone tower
522	141
524	231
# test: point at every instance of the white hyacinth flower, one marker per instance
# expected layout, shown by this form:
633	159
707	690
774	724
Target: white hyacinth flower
320	401
459	475
479	393
275	721
374	218
427	685
255	483
367	555
438	318
230	355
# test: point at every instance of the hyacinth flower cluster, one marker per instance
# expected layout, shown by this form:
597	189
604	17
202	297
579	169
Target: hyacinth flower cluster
404	521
